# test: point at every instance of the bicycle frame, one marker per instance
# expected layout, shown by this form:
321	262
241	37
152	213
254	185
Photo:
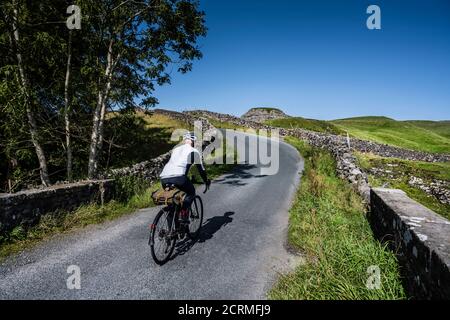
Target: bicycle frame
174	224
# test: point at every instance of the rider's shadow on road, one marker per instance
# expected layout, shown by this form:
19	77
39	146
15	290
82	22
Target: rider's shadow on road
209	228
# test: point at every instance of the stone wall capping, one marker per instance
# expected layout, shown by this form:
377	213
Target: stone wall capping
419	237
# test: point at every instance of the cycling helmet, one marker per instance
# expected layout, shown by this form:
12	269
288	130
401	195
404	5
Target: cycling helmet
189	136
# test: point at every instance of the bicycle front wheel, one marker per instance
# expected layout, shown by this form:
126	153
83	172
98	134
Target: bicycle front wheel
162	236
195	217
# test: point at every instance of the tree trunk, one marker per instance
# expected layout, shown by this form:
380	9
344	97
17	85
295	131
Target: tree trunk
103	112
67	109
92	165
28	102
99	116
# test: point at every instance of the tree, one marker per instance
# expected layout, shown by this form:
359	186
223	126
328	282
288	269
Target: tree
17	47
134	43
67	108
57	85
33	41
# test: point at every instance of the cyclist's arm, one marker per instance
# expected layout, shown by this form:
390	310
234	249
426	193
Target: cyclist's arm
197	160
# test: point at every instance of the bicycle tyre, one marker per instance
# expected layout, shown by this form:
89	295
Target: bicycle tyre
154	232
195	217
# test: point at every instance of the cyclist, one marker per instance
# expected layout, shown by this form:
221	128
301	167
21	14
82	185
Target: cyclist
176	170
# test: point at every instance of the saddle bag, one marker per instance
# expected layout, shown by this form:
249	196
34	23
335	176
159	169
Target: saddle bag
168	196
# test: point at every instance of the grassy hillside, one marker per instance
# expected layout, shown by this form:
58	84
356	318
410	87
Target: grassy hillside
138	137
410	135
440	127
308	124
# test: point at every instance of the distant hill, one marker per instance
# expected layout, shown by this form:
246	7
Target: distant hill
426	136
440	127
421	135
263	114
308	124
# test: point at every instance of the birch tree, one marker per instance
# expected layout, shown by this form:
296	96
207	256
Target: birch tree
143	39
12	16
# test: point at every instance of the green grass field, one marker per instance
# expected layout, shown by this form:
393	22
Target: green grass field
328	226
439	127
428	136
399	173
308	124
422	136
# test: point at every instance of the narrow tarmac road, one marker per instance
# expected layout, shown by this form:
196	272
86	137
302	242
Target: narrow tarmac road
240	251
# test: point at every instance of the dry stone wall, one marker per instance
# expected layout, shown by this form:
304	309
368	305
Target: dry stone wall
419	237
26	207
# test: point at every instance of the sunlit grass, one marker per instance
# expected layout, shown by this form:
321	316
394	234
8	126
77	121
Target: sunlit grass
329	227
397	133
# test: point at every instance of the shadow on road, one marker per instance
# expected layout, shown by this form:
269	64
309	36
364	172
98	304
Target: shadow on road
238	175
209	228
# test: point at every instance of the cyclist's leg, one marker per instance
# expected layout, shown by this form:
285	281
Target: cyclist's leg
189	188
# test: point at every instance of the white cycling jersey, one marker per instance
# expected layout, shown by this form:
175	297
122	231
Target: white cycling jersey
181	159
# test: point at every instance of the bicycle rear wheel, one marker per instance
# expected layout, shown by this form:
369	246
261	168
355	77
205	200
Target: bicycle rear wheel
195	218
162	236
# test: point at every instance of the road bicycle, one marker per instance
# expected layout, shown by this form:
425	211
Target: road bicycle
168	227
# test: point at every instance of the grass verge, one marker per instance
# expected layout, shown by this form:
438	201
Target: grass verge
328	225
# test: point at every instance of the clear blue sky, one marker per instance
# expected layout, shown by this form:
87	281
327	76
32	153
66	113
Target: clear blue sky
317	59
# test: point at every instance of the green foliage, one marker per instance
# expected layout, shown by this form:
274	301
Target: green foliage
148	38
127	186
308	124
397	133
328	225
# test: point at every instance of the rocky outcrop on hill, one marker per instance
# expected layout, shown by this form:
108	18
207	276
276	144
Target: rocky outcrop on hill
262	114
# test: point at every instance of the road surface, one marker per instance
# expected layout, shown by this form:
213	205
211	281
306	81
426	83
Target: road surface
240	252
